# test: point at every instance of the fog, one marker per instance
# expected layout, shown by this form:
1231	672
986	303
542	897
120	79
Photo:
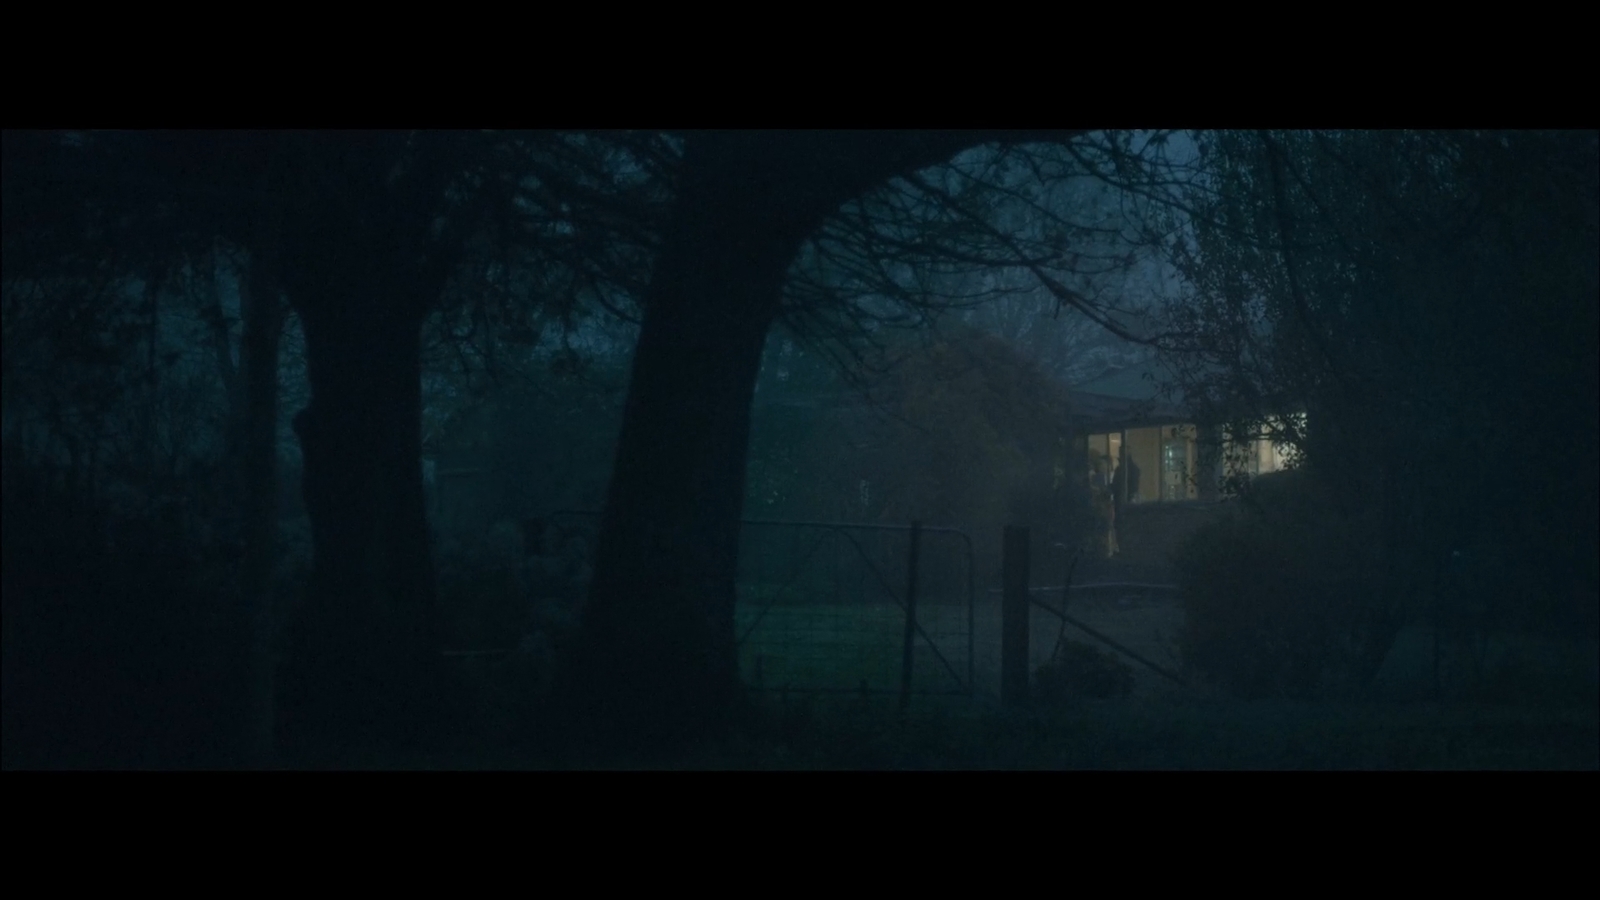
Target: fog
771	450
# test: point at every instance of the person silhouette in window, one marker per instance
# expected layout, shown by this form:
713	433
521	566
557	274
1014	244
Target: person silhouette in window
1124	490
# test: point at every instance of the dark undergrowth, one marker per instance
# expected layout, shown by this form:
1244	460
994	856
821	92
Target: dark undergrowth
1173	734
122	647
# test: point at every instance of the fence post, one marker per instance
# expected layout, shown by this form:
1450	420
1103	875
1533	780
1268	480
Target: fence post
1014	617
911	615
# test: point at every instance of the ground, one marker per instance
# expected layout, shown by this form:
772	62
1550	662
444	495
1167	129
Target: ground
1162	726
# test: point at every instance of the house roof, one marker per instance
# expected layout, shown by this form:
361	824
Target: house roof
1129	397
1141	381
1093	413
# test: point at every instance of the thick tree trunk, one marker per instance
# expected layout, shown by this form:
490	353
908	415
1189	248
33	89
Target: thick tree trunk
655	659
362	268
365	660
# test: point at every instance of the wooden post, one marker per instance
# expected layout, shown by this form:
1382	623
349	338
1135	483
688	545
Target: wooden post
911	615
1209	451
1438	620
1123	457
1014	617
841	558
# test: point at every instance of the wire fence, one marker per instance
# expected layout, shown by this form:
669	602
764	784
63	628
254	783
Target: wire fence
835	607
1136	621
874	608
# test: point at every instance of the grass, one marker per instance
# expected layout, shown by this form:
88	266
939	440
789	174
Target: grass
837	646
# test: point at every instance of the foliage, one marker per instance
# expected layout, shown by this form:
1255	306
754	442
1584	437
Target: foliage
521	452
1281	597
1429	299
1032	225
1082	671
482	596
963	430
135	386
974	434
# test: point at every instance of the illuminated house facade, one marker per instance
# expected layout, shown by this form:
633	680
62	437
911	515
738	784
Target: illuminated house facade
1122	412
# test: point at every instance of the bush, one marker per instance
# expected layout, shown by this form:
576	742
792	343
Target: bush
1281	595
1082	671
123	647
482	589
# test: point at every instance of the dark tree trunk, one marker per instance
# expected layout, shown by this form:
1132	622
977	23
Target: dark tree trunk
362	267
655	662
258	472
365	660
655	657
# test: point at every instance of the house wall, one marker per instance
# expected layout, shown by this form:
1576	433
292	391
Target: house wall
1144	446
1096	445
1183	479
1147	445
1206	458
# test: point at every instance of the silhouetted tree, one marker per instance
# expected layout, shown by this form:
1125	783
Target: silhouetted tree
655	660
387	228
373	233
1430	299
366	235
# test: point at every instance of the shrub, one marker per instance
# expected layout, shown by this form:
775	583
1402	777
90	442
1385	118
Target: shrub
1281	595
122	646
1082	671
482	588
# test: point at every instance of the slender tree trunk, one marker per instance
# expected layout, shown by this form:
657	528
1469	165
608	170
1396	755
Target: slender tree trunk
258	457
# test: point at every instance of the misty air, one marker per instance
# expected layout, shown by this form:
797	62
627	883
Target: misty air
837	450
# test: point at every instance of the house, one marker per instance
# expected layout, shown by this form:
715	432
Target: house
1178	458
1180	461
